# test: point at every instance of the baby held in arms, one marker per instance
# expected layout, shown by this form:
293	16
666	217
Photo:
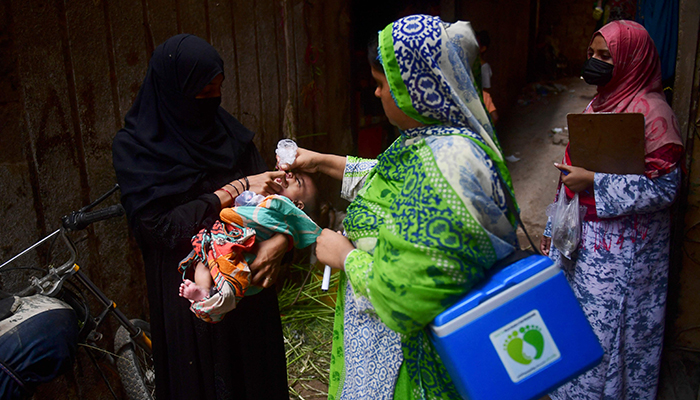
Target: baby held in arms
216	274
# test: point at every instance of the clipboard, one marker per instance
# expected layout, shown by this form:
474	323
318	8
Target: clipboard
611	143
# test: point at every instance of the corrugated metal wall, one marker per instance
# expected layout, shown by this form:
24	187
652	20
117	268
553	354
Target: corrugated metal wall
69	71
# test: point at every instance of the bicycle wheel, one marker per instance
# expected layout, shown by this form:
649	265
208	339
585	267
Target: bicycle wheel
135	365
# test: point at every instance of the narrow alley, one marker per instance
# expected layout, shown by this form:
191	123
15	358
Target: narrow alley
530	141
527	134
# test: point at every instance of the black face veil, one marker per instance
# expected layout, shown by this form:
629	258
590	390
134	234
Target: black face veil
170	139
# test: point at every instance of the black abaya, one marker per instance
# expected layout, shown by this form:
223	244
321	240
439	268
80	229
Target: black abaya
241	357
174	151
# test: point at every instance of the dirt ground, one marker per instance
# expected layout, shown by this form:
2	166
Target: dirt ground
527	134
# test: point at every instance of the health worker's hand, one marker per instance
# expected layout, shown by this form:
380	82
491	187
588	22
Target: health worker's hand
332	248
306	161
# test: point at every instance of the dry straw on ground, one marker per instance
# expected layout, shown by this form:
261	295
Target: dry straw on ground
307	323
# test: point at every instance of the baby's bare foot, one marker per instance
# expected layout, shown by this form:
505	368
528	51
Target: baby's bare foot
191	291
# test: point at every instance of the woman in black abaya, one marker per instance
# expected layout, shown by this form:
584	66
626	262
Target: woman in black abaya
180	159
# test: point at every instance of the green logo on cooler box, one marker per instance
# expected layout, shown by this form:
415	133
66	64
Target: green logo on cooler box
524	346
518	341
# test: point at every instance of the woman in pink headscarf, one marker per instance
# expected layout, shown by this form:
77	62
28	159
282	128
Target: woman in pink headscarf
620	269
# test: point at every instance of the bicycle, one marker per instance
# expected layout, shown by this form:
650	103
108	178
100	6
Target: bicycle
66	283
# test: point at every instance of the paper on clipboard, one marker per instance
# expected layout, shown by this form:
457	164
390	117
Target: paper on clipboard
611	143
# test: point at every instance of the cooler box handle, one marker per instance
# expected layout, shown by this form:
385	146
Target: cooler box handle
501	280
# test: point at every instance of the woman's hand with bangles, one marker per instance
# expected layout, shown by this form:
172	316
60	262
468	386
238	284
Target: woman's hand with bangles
265	184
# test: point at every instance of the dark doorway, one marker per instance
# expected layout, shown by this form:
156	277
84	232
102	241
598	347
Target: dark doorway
372	132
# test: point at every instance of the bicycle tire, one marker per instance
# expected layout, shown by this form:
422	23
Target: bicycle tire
135	367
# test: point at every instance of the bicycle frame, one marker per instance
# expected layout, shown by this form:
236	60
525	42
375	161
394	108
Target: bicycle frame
52	282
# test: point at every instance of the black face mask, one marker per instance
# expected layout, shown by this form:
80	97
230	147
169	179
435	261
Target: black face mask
596	72
208	107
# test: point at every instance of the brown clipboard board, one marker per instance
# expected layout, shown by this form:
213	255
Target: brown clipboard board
611	143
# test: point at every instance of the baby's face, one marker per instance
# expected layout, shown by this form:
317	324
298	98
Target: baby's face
298	187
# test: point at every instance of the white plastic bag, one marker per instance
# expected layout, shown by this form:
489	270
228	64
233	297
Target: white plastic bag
248	198
566	223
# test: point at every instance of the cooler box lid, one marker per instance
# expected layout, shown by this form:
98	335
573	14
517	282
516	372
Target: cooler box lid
498	282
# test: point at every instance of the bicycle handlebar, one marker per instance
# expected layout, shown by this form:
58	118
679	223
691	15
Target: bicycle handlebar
51	283
75	221
78	220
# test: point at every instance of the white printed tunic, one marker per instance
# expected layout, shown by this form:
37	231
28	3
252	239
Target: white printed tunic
620	275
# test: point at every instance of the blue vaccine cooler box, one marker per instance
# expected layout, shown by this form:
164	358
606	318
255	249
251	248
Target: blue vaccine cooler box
518	335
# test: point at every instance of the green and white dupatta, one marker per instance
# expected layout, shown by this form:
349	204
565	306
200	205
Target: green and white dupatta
428	218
